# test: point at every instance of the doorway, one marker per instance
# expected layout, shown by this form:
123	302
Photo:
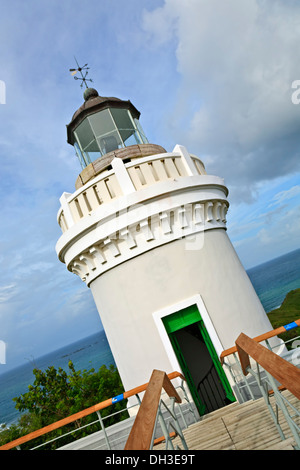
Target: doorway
198	360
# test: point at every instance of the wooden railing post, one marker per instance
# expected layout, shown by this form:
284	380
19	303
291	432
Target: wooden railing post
142	430
243	356
286	373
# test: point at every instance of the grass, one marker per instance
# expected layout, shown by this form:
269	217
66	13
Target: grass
288	312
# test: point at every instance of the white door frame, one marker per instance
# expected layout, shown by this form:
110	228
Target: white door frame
194	300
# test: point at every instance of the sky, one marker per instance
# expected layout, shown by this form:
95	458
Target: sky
217	76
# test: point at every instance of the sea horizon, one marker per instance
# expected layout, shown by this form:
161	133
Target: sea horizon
251	273
272	280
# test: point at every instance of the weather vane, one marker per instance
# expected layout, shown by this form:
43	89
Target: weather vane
83	72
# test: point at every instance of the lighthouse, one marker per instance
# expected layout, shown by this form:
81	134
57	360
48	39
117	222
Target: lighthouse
145	230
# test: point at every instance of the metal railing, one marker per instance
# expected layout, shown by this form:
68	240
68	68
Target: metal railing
108	436
247	388
275	369
251	365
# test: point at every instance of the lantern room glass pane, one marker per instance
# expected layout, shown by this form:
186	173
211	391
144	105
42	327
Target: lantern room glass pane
101	123
80	156
122	118
92	151
140	130
130	137
110	142
84	134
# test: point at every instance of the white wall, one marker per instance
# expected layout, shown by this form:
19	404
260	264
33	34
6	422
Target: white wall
129	296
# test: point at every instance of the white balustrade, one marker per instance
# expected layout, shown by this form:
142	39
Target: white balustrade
124	179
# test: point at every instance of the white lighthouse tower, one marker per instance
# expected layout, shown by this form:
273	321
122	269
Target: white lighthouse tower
145	230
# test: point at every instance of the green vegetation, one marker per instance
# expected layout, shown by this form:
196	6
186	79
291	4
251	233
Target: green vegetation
288	312
56	394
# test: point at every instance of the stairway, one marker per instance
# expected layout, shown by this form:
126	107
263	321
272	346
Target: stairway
247	426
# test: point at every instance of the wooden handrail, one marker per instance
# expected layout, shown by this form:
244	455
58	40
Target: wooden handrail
82	414
160	439
258	339
141	433
283	371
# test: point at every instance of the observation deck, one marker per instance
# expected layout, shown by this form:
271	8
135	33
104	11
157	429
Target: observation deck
131	207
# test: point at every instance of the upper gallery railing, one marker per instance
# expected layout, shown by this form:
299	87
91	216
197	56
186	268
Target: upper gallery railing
124	178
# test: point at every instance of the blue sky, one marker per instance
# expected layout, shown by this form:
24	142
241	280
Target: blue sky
215	76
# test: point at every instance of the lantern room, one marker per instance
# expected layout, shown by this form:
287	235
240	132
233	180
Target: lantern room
102	125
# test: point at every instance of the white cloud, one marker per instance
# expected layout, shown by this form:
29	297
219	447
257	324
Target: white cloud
213	75
283	196
237	61
6	292
271	234
161	22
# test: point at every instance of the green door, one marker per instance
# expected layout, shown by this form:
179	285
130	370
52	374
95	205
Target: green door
198	360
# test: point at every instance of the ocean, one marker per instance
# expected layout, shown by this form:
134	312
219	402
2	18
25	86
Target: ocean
87	353
271	280
274	279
